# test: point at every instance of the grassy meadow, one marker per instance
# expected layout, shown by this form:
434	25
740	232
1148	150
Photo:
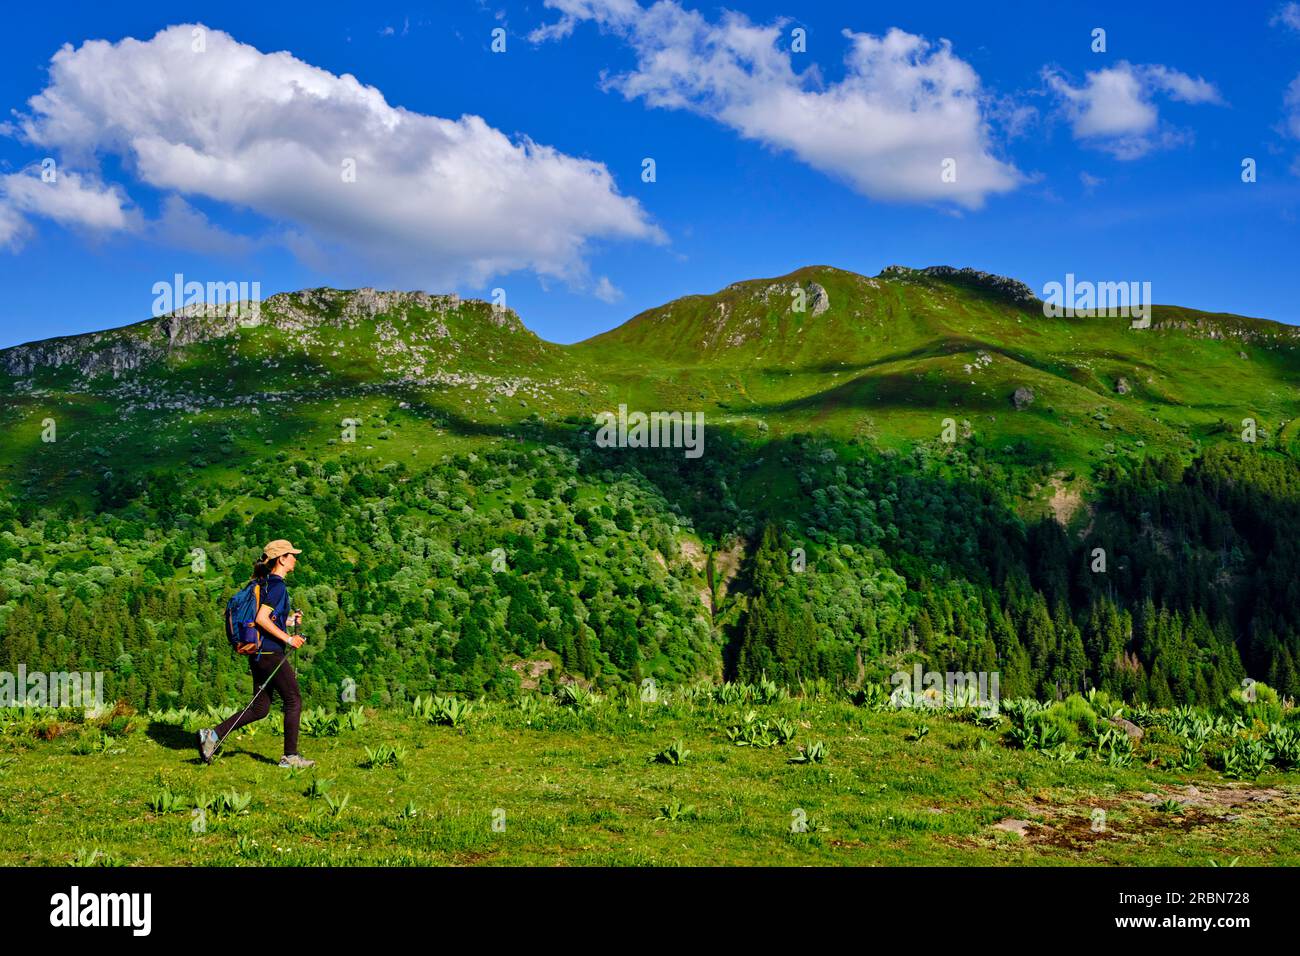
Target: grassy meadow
579	780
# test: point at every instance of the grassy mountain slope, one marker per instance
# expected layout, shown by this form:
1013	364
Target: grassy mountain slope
885	358
210	394
890	357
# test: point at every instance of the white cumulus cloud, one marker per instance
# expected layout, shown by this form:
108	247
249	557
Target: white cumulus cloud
13	227
433	201
64	196
1115	107
904	106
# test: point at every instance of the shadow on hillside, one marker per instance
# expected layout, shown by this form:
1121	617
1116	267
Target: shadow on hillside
934	350
955	345
881	393
701	489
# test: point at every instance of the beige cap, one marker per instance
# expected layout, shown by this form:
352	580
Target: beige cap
277	548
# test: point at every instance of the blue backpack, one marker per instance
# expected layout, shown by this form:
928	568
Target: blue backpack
241	613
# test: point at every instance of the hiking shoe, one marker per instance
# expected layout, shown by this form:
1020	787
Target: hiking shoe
296	761
208	741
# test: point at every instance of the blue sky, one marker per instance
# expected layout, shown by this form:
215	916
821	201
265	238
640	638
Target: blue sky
222	154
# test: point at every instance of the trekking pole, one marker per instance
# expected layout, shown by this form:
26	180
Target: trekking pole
293	632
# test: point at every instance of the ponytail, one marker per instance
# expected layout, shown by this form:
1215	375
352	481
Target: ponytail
264	566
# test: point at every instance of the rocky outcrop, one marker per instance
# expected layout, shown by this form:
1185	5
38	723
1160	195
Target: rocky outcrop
818	298
1012	290
90	355
1231	327
118	351
1022	397
1133	731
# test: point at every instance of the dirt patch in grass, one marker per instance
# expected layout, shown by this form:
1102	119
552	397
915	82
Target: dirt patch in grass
1072	833
1228	795
1077	826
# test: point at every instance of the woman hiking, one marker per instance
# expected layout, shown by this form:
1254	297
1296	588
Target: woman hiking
270	666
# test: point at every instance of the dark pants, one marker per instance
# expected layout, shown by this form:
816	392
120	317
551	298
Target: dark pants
285	683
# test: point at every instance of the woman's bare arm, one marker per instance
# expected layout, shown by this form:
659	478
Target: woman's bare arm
265	622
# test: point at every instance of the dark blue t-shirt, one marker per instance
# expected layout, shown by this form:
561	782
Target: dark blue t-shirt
275	596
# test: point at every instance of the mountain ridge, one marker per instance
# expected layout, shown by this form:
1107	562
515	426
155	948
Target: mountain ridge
128	345
290	311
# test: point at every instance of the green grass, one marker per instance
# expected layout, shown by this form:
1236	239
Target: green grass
581	787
